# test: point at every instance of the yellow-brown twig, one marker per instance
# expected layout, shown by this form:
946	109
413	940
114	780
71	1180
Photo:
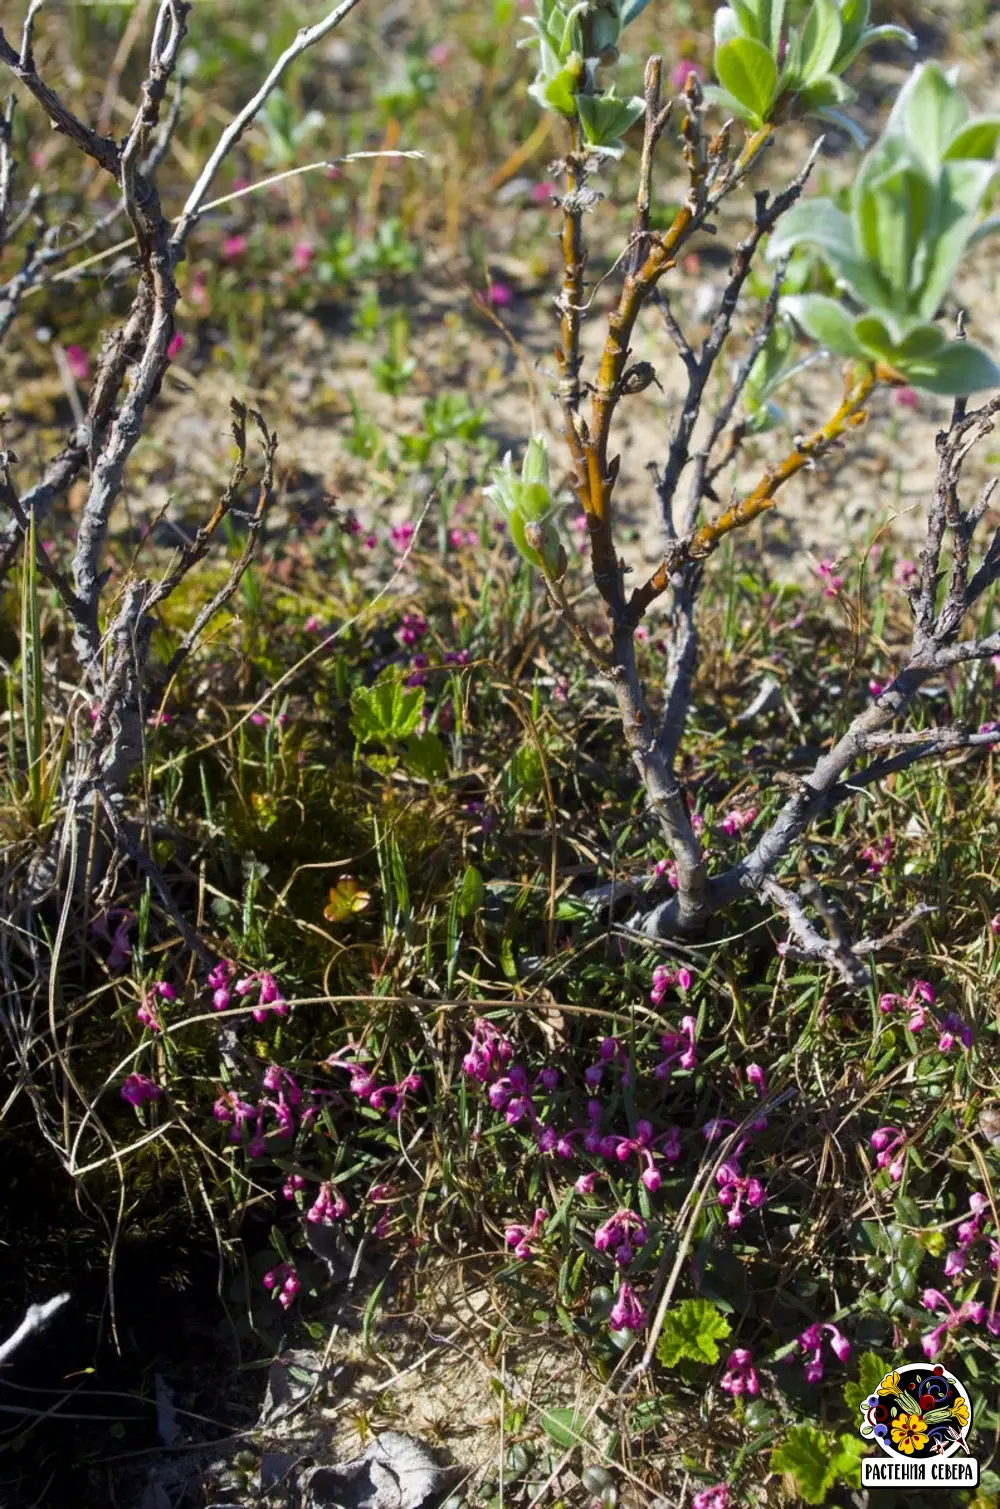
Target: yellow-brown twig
848	416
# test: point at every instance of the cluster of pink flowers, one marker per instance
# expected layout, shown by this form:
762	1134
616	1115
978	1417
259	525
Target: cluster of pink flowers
459	538
411	630
137	1089
679	1049
809	1346
234	247
826	572
627	1314
952	1028
738	1193
610	1051
890	1145
739	818
712	1498
969	1232
283	1284
148	1014
269	1000
621	1235
329	1206
970	1312
387	1098
668	979
741	1375
877	855
521	1237
401	536
904	571
490	1052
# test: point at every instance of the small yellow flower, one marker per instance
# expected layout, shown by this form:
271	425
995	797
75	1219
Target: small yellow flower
909	1434
961	1411
889	1384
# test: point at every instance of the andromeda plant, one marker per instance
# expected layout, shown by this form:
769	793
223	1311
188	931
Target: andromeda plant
769	70
914	210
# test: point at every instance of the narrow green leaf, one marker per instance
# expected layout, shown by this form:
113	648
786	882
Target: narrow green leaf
820	39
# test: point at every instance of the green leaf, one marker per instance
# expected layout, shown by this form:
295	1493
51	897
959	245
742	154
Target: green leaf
385	712
928	113
825	321
748	71
845	1460
923	340
605	119
853	21
961	187
874	337
870	36
824	92
565	1427
820	39
819	223
955	371
426	757
871	1371
692	1330
806	1456
976	140
471	892
728	104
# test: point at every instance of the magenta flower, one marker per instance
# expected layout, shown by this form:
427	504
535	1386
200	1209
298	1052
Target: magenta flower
890	1145
969	1312
627	1313
738	819
585	1184
682	71
521	1237
954	1029
741	1375
543	193
283	1284
621	1234
665	979
810	1348
737	1193
501	295
401	535
679	1049
234	247
78	363
877	855
175	345
712	1498
329	1206
905	398
302	255
438	54
755	1075
411	630
138	1089
825	571
904	571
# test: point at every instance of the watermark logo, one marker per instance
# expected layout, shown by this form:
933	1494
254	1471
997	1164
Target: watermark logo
919	1417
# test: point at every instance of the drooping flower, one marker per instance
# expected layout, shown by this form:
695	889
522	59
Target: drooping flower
521	1237
137	1089
741	1375
970	1312
283	1283
234	247
712	1498
627	1314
